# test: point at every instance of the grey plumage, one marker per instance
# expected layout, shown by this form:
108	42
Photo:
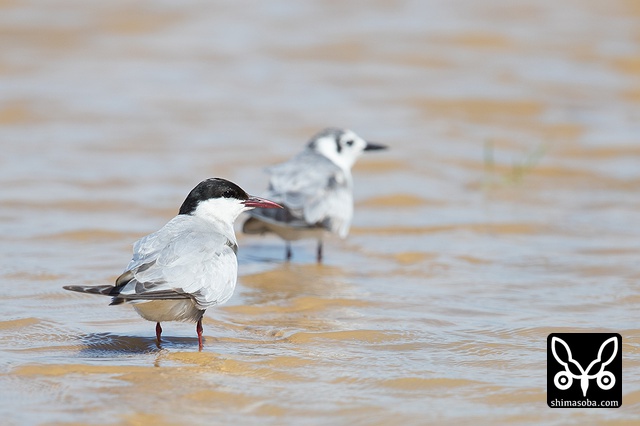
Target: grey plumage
190	264
315	188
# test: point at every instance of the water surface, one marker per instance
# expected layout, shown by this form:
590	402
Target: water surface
506	208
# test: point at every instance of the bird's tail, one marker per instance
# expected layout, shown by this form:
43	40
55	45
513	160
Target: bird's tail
105	290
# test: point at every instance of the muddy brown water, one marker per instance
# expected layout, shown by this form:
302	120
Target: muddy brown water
507	207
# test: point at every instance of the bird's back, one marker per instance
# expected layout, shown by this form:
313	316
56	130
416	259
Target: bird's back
314	192
187	258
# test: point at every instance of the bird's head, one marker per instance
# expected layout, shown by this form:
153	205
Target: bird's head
341	146
220	199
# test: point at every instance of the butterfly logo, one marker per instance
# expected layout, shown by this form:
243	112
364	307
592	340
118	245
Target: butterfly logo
564	379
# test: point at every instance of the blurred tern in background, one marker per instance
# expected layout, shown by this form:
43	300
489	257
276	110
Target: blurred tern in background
190	264
315	189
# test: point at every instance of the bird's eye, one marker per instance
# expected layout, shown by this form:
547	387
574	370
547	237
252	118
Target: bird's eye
349	142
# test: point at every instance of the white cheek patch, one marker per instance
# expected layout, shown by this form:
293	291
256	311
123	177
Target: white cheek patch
220	209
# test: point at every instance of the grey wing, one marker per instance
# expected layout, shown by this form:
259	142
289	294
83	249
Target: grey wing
314	192
184	259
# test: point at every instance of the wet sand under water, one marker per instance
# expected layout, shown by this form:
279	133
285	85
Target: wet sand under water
506	208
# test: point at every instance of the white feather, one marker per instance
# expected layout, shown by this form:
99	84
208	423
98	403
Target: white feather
315	187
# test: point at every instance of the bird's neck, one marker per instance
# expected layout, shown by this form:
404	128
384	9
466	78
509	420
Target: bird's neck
221	212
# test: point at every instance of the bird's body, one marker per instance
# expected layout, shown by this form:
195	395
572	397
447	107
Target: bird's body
315	188
190	264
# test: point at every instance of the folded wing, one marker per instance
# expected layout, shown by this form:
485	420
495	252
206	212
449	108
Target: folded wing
187	258
314	193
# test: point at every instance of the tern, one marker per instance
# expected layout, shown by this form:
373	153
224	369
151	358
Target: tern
190	264
315	188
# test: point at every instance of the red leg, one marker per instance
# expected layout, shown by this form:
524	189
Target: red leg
199	331
158	333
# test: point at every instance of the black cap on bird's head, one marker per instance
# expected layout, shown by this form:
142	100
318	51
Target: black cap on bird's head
221	188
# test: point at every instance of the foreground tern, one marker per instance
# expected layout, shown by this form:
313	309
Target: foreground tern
190	264
315	188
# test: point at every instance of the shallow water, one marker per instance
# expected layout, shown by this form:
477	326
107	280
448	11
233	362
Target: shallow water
506	208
